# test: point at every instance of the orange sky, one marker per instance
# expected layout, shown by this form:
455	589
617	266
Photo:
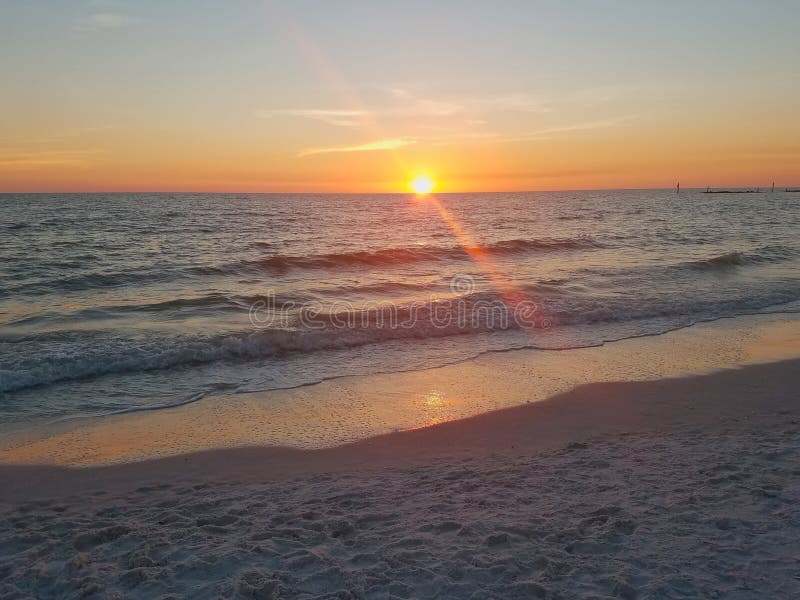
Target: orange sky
295	97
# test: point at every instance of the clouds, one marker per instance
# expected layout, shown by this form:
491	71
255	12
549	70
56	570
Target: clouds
37	159
337	117
412	109
103	21
474	138
401	112
392	117
385	144
583	126
72	149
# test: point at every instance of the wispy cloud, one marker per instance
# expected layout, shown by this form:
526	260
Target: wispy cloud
519	102
401	115
23	161
102	21
400	108
491	137
475	137
586	126
352	118
340	118
387	144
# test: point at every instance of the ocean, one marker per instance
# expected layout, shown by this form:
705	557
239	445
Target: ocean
123	302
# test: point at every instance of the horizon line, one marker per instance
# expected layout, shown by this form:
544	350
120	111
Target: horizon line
408	193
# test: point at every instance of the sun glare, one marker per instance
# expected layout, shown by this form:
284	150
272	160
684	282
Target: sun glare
422	185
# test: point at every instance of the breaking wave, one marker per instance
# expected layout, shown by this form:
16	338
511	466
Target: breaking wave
71	356
395	256
765	254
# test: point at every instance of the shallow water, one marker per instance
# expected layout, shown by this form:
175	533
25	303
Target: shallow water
348	409
120	302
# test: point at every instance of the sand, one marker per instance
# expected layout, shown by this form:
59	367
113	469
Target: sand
677	488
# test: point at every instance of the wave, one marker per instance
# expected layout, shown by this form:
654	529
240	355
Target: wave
119	357
88	281
281	263
384	287
79	355
220	302
395	256
723	261
216	301
522	245
765	254
213	301
226	301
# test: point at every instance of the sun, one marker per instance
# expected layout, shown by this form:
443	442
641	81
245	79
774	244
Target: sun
422	185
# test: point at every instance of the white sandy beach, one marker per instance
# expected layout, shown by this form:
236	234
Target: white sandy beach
679	488
306	300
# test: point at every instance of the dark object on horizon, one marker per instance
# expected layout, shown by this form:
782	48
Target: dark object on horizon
710	191
773	186
792	190
678	188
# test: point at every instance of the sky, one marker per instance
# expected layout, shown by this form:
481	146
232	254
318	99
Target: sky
362	96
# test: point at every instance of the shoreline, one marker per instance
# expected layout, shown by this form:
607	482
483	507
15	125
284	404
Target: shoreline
792	314
349	409
714	401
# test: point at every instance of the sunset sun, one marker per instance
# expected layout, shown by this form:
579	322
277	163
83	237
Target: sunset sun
422	185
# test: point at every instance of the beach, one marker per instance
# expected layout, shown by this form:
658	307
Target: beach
394	300
676	487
